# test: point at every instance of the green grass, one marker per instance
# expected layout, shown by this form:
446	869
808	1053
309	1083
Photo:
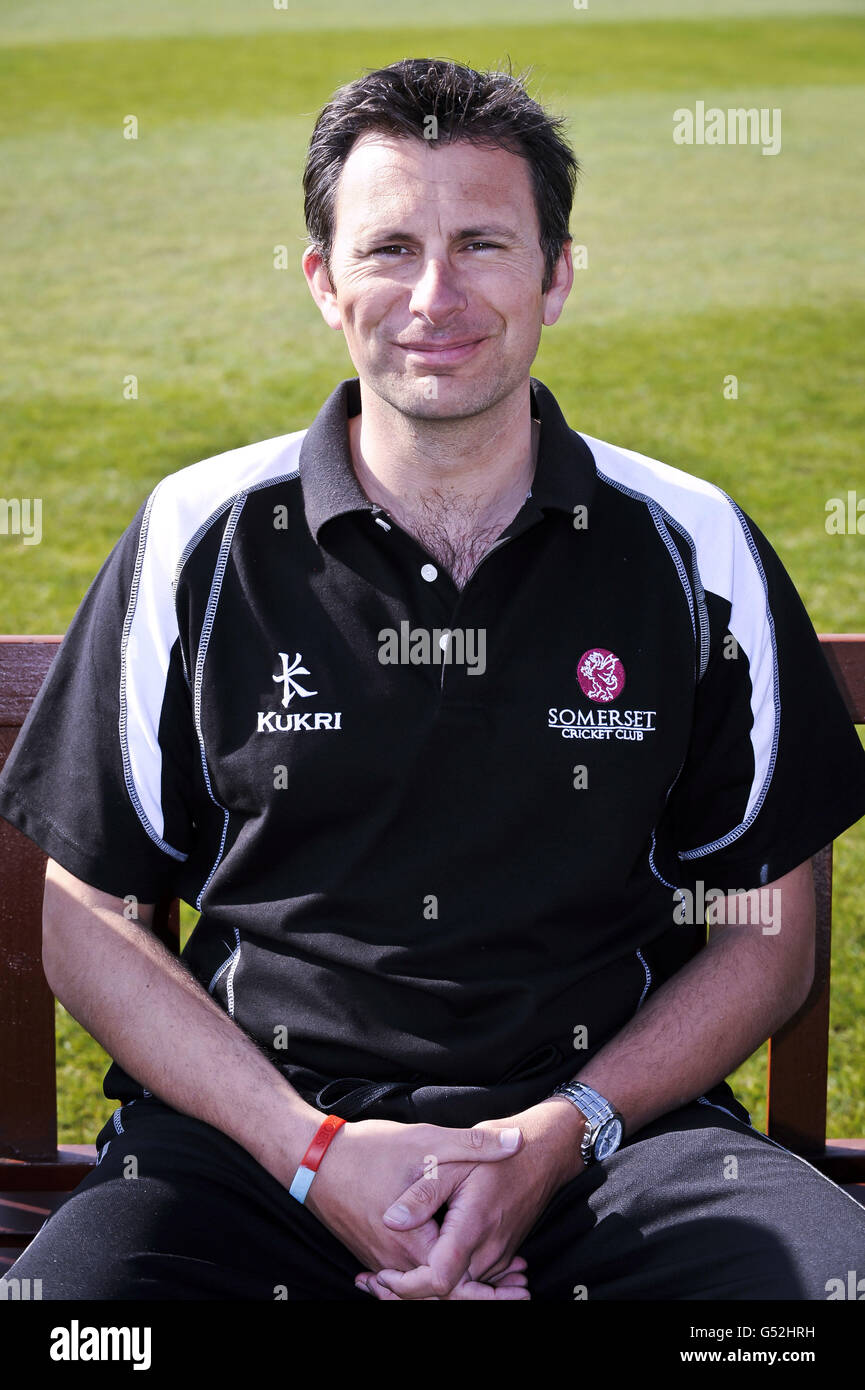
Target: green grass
21	21
154	257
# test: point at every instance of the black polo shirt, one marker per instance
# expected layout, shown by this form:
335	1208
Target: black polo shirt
412	866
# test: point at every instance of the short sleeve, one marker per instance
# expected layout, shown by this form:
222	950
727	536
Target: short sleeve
100	774
774	770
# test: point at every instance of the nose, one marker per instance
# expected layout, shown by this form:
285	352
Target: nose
437	294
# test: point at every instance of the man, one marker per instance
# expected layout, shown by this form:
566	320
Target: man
443	716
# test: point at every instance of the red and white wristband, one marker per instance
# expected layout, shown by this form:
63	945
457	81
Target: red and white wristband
302	1180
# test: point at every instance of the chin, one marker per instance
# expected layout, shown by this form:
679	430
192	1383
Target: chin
455	399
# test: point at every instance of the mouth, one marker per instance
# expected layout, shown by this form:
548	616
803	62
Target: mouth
442	354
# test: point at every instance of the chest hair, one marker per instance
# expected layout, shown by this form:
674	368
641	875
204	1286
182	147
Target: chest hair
456	536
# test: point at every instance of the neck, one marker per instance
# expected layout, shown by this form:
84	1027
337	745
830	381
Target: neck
454	484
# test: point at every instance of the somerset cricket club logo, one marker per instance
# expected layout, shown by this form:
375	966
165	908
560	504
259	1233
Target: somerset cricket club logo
601	675
269	722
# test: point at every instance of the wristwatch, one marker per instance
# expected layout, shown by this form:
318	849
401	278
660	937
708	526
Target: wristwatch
605	1127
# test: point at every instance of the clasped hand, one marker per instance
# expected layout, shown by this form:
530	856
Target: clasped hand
492	1194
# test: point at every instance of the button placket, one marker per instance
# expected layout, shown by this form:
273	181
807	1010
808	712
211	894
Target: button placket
440	586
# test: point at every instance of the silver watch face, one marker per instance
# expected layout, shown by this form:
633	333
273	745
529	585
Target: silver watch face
609	1138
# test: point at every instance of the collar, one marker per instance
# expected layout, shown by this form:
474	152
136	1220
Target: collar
565	475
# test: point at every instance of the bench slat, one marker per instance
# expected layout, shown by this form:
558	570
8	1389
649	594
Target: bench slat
845	653
24	663
28	1100
798	1069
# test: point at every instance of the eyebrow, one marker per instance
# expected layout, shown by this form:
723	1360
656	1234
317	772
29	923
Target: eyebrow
490	229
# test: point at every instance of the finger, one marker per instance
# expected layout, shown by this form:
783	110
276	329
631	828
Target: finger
477	1145
421	1201
467	1289
512	1276
495	1271
371	1284
462	1231
465	1233
481	1292
511	1279
410	1250
416	1284
501	1294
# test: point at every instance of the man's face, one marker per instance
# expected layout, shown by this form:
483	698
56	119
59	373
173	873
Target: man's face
436	272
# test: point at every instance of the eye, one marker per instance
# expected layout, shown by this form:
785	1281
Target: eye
393	250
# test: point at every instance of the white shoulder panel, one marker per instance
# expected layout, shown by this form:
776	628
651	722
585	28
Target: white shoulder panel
728	565
179	510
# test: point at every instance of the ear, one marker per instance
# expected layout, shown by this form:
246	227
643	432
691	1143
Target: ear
320	287
563	279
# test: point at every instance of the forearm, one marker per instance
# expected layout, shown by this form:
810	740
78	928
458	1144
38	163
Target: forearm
143	1006
712	1014
703	1022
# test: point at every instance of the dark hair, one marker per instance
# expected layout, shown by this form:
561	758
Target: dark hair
485	108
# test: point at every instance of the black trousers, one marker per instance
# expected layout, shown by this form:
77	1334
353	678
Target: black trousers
697	1205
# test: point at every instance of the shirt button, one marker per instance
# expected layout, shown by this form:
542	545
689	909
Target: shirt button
429	573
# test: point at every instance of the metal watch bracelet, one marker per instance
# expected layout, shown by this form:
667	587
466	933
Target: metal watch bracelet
605	1127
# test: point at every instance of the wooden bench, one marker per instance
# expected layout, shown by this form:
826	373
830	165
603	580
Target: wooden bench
35	1173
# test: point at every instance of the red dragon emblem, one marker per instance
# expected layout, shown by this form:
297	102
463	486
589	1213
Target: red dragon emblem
601	674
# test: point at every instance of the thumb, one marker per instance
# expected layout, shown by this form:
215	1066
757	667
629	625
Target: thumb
419	1203
488	1144
480	1144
